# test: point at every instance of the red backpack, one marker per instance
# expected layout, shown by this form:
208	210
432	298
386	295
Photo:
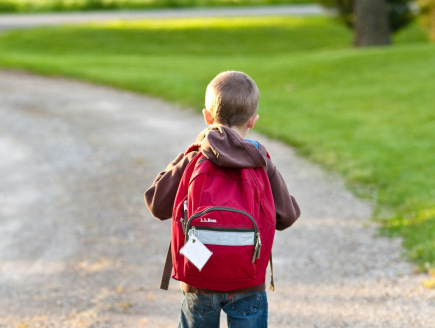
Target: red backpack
232	212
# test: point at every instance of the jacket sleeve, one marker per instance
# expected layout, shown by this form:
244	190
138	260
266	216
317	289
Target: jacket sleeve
287	209
160	197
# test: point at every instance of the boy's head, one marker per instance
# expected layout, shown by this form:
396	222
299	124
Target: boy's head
232	98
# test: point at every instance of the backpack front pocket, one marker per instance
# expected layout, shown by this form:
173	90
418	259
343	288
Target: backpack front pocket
232	254
234	249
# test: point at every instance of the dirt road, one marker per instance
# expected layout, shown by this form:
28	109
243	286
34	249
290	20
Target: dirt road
79	249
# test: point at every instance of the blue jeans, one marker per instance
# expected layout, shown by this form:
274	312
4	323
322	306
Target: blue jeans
243	310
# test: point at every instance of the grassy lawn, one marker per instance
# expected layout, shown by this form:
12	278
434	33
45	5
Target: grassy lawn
74	5
366	114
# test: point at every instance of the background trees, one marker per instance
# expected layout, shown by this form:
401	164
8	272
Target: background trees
371	24
372	20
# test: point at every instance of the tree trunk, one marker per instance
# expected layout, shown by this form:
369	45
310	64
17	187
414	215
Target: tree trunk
371	23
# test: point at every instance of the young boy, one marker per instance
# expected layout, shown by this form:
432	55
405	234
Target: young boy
231	106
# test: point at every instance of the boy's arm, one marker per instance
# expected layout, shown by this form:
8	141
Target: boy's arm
287	209
160	197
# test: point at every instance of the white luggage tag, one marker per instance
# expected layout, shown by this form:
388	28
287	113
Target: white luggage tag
195	251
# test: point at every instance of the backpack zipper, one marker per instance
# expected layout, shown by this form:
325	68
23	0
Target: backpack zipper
219	208
224	229
257	241
202	160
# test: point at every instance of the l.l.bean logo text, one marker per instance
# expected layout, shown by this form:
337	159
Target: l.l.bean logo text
207	220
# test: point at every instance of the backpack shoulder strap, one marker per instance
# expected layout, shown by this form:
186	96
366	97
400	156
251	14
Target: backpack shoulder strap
167	270
272	283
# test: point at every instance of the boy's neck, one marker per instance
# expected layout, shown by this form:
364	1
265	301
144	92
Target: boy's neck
240	130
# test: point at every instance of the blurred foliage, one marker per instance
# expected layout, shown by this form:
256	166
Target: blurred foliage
77	5
427	11
399	12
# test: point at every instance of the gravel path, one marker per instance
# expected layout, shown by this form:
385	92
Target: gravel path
79	249
8	21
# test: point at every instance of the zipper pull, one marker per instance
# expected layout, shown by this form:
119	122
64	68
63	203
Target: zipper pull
194	234
255	251
183	225
185	210
184	221
259	245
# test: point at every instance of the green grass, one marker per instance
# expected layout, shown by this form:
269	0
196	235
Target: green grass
366	114
20	6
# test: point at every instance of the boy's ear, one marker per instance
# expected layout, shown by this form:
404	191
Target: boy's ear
252	121
207	117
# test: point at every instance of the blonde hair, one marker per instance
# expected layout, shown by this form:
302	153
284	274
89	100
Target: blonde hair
232	98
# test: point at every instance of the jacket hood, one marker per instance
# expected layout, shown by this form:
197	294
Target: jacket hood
225	147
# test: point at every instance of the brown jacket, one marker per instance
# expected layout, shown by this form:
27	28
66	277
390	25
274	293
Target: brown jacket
223	147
